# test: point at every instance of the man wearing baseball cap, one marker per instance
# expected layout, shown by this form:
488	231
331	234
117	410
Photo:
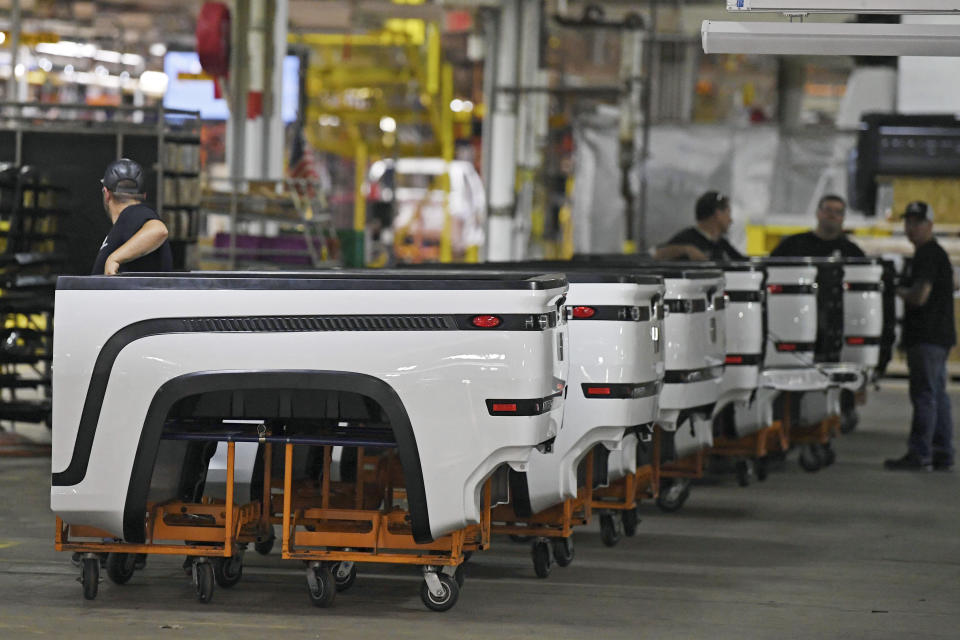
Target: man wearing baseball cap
928	335
138	239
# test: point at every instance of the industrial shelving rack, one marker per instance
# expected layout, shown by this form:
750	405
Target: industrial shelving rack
72	144
29	262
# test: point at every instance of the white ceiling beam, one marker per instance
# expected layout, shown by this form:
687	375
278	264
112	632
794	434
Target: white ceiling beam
811	39
846	6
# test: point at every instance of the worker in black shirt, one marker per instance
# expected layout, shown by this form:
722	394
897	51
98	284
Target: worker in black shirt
928	335
705	240
827	240
138	239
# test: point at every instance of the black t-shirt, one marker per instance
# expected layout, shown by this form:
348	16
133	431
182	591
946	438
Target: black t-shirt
933	322
128	223
810	245
719	251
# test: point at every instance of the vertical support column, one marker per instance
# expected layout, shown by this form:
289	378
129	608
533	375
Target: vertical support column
503	158
446	143
16	19
352	241
528	160
236	126
273	88
646	57
256	37
632	115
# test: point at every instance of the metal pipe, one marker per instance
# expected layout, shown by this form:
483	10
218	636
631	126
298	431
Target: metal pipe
16	19
651	40
504	133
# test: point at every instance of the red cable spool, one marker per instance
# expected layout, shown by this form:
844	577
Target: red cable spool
213	39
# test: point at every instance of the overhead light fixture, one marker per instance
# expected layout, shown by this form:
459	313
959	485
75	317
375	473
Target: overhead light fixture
154	82
158	49
846	6
388	124
831	39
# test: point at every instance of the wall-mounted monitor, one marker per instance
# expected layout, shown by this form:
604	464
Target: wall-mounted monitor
191	89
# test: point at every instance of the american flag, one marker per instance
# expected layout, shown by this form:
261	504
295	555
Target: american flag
303	165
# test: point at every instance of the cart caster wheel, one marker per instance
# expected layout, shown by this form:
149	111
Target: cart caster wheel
90	577
344	574
203	580
743	473
542	558
228	571
828	454
520	539
760	468
321	585
447	593
266	546
76	559
673	495
630	520
608	530
120	567
810	458
563	551
466	556
460	575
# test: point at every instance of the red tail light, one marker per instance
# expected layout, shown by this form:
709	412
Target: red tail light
598	391
485	322
786	346
505	408
734	359
775	288
856	340
583	313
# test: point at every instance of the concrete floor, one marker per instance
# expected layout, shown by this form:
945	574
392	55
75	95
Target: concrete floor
851	552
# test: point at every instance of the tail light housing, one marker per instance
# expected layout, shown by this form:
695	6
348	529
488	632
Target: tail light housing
485	322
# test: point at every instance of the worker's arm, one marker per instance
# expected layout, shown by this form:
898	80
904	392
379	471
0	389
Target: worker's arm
679	251
148	239
916	295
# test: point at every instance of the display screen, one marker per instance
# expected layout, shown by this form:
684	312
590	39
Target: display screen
191	89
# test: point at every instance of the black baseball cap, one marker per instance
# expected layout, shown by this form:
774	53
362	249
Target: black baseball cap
124	176
918	209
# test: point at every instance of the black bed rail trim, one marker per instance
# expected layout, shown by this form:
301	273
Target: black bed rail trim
522	406
791	289
509	321
685	305
863	286
611	312
745	296
620	391
791	347
686	376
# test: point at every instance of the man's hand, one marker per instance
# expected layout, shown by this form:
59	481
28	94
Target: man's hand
112	266
695	254
148	239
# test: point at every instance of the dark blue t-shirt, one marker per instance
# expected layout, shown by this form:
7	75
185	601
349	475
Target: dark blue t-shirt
130	221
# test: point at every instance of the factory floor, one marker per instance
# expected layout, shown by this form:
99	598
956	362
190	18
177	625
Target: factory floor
849	552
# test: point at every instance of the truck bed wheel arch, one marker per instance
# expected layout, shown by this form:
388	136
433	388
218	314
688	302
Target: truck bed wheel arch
190	384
